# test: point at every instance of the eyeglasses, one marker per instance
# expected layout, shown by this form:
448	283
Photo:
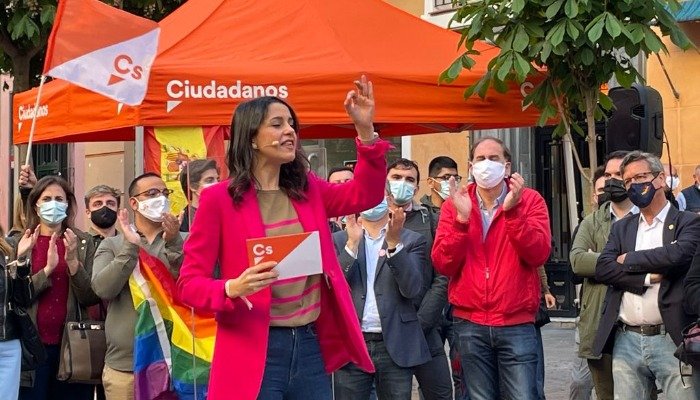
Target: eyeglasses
447	177
152	193
641	177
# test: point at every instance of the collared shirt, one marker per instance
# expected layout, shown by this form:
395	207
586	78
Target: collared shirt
486	214
644	309
373	248
370	316
614	218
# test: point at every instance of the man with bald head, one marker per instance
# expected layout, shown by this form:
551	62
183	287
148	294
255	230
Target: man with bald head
689	198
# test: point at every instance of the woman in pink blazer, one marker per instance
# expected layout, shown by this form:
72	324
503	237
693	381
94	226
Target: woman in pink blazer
255	357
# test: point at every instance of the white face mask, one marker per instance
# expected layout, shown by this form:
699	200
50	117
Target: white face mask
673	182
488	174
154	208
444	191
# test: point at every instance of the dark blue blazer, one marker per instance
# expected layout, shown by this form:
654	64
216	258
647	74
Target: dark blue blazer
398	281
681	234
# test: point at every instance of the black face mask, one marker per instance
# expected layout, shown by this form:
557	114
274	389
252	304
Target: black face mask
603	198
103	218
615	189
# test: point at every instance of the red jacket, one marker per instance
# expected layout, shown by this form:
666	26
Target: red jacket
494	281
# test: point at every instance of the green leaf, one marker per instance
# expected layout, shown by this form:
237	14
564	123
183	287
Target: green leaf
577	128
506	66
613	26
637	33
467	62
572	30
454	70
624	78
546	50
587	56
651	41
31	28
469	92
518	6
522	67
553	9
556	35
521	39
571	8
679	38
605	101
500	86
595	28
48	12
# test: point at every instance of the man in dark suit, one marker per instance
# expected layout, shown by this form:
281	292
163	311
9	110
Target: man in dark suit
644	264
382	262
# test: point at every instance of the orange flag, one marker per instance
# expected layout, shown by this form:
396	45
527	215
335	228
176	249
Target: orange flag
102	49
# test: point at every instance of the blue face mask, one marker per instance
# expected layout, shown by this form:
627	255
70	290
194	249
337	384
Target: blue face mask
402	191
53	212
642	194
377	212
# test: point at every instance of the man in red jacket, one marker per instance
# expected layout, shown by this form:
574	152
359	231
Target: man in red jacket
491	237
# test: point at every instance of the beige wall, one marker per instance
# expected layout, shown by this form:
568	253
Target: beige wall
426	147
682	116
414	7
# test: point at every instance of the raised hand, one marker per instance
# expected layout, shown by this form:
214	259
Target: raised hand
70	241
354	230
127	230
359	104
515	192
27	179
27	242
252	280
397	217
461	200
51	255
171	227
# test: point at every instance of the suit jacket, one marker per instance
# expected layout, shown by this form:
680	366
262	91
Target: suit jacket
398	282
681	233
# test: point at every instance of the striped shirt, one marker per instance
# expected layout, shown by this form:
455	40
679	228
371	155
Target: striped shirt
295	301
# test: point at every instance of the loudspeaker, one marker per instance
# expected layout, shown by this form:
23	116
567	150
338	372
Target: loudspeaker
637	122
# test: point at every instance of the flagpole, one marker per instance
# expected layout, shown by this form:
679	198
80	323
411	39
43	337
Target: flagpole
36	111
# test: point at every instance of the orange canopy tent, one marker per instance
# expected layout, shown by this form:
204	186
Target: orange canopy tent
214	54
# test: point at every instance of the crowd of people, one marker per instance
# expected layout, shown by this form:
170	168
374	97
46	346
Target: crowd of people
401	275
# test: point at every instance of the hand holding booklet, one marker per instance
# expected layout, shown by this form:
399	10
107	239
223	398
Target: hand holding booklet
296	255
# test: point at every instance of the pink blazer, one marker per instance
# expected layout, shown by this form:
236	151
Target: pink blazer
219	234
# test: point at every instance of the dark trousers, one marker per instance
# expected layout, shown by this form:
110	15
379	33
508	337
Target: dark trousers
47	387
391	381
294	369
601	371
434	378
499	362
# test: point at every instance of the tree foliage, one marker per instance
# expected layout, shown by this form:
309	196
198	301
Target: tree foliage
581	44
25	26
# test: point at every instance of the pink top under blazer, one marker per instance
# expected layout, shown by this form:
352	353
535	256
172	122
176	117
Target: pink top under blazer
219	233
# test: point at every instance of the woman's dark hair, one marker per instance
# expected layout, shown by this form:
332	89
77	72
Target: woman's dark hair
33	218
195	169
247	119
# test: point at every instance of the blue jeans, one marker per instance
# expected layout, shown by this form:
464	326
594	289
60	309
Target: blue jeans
10	363
498	361
540	365
391	381
294	369
639	361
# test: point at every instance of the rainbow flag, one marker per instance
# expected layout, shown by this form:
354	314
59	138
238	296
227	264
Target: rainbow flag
173	346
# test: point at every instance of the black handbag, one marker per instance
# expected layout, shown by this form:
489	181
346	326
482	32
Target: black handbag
542	317
33	351
689	349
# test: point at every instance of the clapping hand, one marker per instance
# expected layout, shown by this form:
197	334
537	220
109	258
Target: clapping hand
359	104
171	227
397	217
51	255
515	192
27	242
354	231
70	241
128	231
461	200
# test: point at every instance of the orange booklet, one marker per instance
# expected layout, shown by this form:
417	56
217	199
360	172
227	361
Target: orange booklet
296	255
